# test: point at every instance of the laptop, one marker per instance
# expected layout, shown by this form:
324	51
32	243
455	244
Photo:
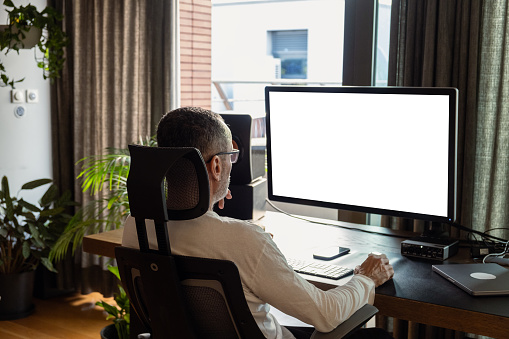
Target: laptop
477	279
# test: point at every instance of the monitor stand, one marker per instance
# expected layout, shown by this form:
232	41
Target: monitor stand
435	230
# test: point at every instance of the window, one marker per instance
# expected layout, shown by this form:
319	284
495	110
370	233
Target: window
383	37
291	48
254	43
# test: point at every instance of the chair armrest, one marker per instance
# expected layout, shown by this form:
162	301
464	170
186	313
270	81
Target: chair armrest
357	319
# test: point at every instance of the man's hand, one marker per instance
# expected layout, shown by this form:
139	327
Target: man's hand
220	203
377	268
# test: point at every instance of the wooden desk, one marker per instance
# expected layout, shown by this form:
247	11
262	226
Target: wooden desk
103	243
415	294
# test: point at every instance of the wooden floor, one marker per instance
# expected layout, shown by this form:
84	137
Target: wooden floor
69	317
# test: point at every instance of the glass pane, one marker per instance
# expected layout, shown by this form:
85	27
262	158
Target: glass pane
255	43
382	65
382	50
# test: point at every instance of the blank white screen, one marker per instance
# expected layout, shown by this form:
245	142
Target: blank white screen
383	151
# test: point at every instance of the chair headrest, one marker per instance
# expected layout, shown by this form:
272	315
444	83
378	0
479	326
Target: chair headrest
167	183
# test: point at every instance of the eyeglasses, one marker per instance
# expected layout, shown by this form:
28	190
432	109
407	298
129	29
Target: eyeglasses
234	155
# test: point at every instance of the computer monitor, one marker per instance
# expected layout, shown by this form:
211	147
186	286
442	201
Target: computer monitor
382	150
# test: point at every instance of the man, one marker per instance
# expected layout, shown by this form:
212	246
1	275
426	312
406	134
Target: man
266	277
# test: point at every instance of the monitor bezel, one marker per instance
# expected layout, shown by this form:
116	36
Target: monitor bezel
452	93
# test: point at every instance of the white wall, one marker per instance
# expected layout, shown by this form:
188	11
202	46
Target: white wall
25	143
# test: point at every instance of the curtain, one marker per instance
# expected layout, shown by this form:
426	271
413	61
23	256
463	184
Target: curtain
436	44
461	44
63	140
489	197
116	86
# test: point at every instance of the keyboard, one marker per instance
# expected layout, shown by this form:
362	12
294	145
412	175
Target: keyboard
319	269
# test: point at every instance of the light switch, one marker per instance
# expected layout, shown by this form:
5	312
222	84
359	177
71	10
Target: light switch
17	96
32	96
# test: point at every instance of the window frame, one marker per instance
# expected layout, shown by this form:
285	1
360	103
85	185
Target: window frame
360	42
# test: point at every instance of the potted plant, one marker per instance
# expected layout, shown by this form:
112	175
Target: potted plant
119	313
29	27
108	170
27	233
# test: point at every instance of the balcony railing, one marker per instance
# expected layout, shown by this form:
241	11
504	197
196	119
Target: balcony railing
230	92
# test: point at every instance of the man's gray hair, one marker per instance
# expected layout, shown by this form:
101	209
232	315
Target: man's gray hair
194	127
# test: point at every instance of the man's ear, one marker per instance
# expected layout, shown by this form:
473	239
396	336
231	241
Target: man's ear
215	168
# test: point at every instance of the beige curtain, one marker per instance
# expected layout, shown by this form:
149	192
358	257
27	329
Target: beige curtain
114	94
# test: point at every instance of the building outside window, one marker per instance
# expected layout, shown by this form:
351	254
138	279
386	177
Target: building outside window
291	49
261	41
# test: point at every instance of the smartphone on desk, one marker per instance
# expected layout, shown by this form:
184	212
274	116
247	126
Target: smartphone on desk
329	253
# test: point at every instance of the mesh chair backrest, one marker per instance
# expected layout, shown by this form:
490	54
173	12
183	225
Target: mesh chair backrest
200	300
186	190
147	192
182	187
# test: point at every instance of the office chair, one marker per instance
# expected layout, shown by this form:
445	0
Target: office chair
176	296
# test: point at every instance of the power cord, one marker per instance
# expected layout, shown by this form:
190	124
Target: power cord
330	224
497	254
461	227
483	234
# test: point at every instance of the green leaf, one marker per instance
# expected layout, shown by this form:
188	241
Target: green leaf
36	183
49	196
28	206
26	250
48	265
9	208
52	212
29	216
8	3
111	310
19	229
112	201
114	270
65	199
37	242
34	231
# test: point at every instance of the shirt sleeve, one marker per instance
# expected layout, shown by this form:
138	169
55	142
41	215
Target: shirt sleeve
277	284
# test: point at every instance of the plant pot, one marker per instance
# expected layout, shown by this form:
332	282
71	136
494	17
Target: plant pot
109	332
46	282
16	291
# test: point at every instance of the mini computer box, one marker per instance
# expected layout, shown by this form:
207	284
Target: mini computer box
429	248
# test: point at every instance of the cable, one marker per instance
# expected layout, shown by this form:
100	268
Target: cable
483	234
497	254
496	228
484	246
330	224
461	227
